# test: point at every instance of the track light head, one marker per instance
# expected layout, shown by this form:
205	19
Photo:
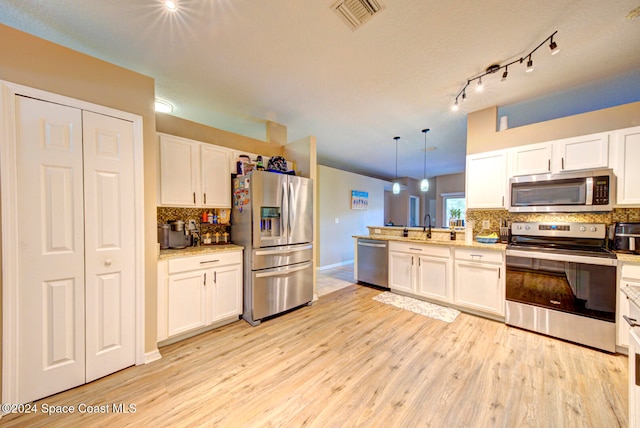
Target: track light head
455	106
504	75
554	47
479	87
529	65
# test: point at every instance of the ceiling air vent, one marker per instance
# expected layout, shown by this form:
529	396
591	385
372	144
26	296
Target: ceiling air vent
356	12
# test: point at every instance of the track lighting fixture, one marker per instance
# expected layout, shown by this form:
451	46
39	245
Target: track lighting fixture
396	185
170	5
494	68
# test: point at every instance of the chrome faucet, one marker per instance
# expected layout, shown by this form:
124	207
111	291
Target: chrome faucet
424	229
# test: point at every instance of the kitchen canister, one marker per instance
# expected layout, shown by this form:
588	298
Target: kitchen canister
468	232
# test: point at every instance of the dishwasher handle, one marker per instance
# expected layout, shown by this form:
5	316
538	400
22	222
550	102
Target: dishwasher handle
367	244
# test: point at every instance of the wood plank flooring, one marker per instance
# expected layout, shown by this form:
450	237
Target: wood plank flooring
350	361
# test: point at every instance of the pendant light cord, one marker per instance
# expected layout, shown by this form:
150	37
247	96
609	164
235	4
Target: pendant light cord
424	131
396	138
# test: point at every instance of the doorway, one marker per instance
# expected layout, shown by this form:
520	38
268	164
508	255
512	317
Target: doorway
414	211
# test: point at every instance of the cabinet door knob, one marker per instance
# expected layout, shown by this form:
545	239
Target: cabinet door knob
108	262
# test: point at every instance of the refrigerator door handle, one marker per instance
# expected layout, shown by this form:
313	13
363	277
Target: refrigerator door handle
282	207
281	271
283	251
292	207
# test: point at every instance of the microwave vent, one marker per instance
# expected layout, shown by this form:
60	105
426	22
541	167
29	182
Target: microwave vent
354	13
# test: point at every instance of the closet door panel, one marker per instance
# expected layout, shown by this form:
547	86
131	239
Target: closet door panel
51	248
109	232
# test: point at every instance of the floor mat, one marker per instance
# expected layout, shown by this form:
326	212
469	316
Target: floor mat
418	306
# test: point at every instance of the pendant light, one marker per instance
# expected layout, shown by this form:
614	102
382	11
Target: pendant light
396	185
424	184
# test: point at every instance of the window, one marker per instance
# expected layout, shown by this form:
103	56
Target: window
453	201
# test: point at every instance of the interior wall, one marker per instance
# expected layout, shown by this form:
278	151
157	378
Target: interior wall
447	184
35	62
483	137
303	153
172	125
334	195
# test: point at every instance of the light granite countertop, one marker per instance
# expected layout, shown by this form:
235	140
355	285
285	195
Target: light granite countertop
628	258
198	251
457	243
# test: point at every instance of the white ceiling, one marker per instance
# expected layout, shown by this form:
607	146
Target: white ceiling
234	64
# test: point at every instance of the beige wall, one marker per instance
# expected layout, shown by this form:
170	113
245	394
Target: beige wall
173	125
37	63
335	242
483	137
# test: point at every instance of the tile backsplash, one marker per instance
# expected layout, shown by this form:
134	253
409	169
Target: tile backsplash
166	214
494	217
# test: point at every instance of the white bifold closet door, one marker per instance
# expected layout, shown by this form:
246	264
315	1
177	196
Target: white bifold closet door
76	251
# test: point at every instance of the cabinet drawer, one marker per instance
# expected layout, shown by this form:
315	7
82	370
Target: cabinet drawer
212	260
630	271
421	249
479	255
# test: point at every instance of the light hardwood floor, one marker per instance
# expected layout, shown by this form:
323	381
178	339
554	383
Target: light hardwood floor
351	361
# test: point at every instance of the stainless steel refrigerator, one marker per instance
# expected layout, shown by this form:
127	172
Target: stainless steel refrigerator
272	217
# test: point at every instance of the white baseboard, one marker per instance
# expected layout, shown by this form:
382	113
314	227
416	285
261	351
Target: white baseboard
152	356
335	265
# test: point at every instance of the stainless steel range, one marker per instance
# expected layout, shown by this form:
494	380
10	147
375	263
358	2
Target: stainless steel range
561	281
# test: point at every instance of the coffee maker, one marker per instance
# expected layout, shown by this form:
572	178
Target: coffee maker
625	237
172	235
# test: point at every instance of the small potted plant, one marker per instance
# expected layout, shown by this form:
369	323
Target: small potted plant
455	215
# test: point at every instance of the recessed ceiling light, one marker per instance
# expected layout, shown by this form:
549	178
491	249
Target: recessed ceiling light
170	5
163	106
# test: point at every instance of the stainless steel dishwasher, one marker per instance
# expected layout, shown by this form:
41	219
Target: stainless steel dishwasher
373	262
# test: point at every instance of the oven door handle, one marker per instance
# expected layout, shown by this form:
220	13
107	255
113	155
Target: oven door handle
563	257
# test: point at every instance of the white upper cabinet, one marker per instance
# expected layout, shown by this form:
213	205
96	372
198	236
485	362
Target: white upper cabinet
486	179
569	154
193	174
626	164
215	176
178	171
584	152
531	159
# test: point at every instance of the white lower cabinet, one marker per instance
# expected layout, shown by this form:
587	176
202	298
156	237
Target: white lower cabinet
629	274
422	270
401	272
187	302
434	275
634	366
479	280
466	277
197	291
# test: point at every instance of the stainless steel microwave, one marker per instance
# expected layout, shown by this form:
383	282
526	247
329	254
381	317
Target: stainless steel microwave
591	190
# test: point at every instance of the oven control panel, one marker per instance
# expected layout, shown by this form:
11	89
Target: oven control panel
571	230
